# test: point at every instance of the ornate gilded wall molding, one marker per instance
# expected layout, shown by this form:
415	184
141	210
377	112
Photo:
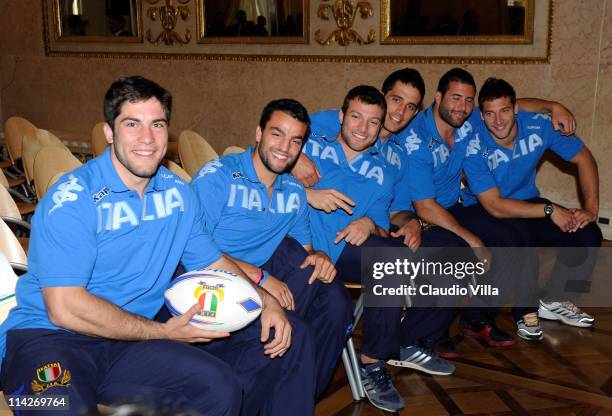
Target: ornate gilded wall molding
352	59
202	52
344	13
168	16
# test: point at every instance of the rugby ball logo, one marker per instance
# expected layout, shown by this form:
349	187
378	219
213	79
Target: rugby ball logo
226	302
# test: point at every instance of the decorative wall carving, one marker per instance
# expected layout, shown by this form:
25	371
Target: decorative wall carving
168	15
344	13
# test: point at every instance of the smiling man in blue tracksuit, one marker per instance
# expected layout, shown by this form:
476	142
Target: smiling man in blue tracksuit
349	164
406	342
258	214
355	177
105	241
404	91
501	171
436	142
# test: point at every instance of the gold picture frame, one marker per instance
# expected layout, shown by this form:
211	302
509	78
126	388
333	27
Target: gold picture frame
202	37
61	36
388	38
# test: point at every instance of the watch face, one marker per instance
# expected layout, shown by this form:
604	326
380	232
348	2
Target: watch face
548	209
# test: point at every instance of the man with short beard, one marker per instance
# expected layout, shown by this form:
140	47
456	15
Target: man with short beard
257	213
436	142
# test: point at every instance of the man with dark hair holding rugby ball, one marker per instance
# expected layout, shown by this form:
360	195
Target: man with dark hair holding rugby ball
105	241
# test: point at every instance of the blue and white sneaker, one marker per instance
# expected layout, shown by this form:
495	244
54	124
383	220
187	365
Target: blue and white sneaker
379	389
566	312
424	360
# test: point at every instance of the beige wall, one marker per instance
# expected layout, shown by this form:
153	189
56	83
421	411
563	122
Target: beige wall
222	99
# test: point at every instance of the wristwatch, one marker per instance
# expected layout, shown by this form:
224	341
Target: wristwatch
425	225
548	209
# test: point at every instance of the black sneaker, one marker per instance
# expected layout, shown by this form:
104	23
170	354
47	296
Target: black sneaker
485	332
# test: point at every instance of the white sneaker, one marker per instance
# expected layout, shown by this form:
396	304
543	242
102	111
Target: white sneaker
566	312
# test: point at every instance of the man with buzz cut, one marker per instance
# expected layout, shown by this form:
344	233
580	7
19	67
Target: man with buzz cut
257	213
105	241
500	168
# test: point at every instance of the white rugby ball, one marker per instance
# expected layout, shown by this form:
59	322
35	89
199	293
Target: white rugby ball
226	302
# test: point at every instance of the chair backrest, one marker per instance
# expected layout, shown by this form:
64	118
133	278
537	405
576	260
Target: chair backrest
8	207
14	130
194	151
46	138
32	145
233	149
98	139
10	246
54	179
50	161
177	170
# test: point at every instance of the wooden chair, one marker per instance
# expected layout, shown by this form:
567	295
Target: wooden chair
23	203
17	209
50	161
177	170
3	180
8	206
194	151
54	179
98	139
10	246
24	197
8	280
11	182
13	215
32	144
14	130
232	149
